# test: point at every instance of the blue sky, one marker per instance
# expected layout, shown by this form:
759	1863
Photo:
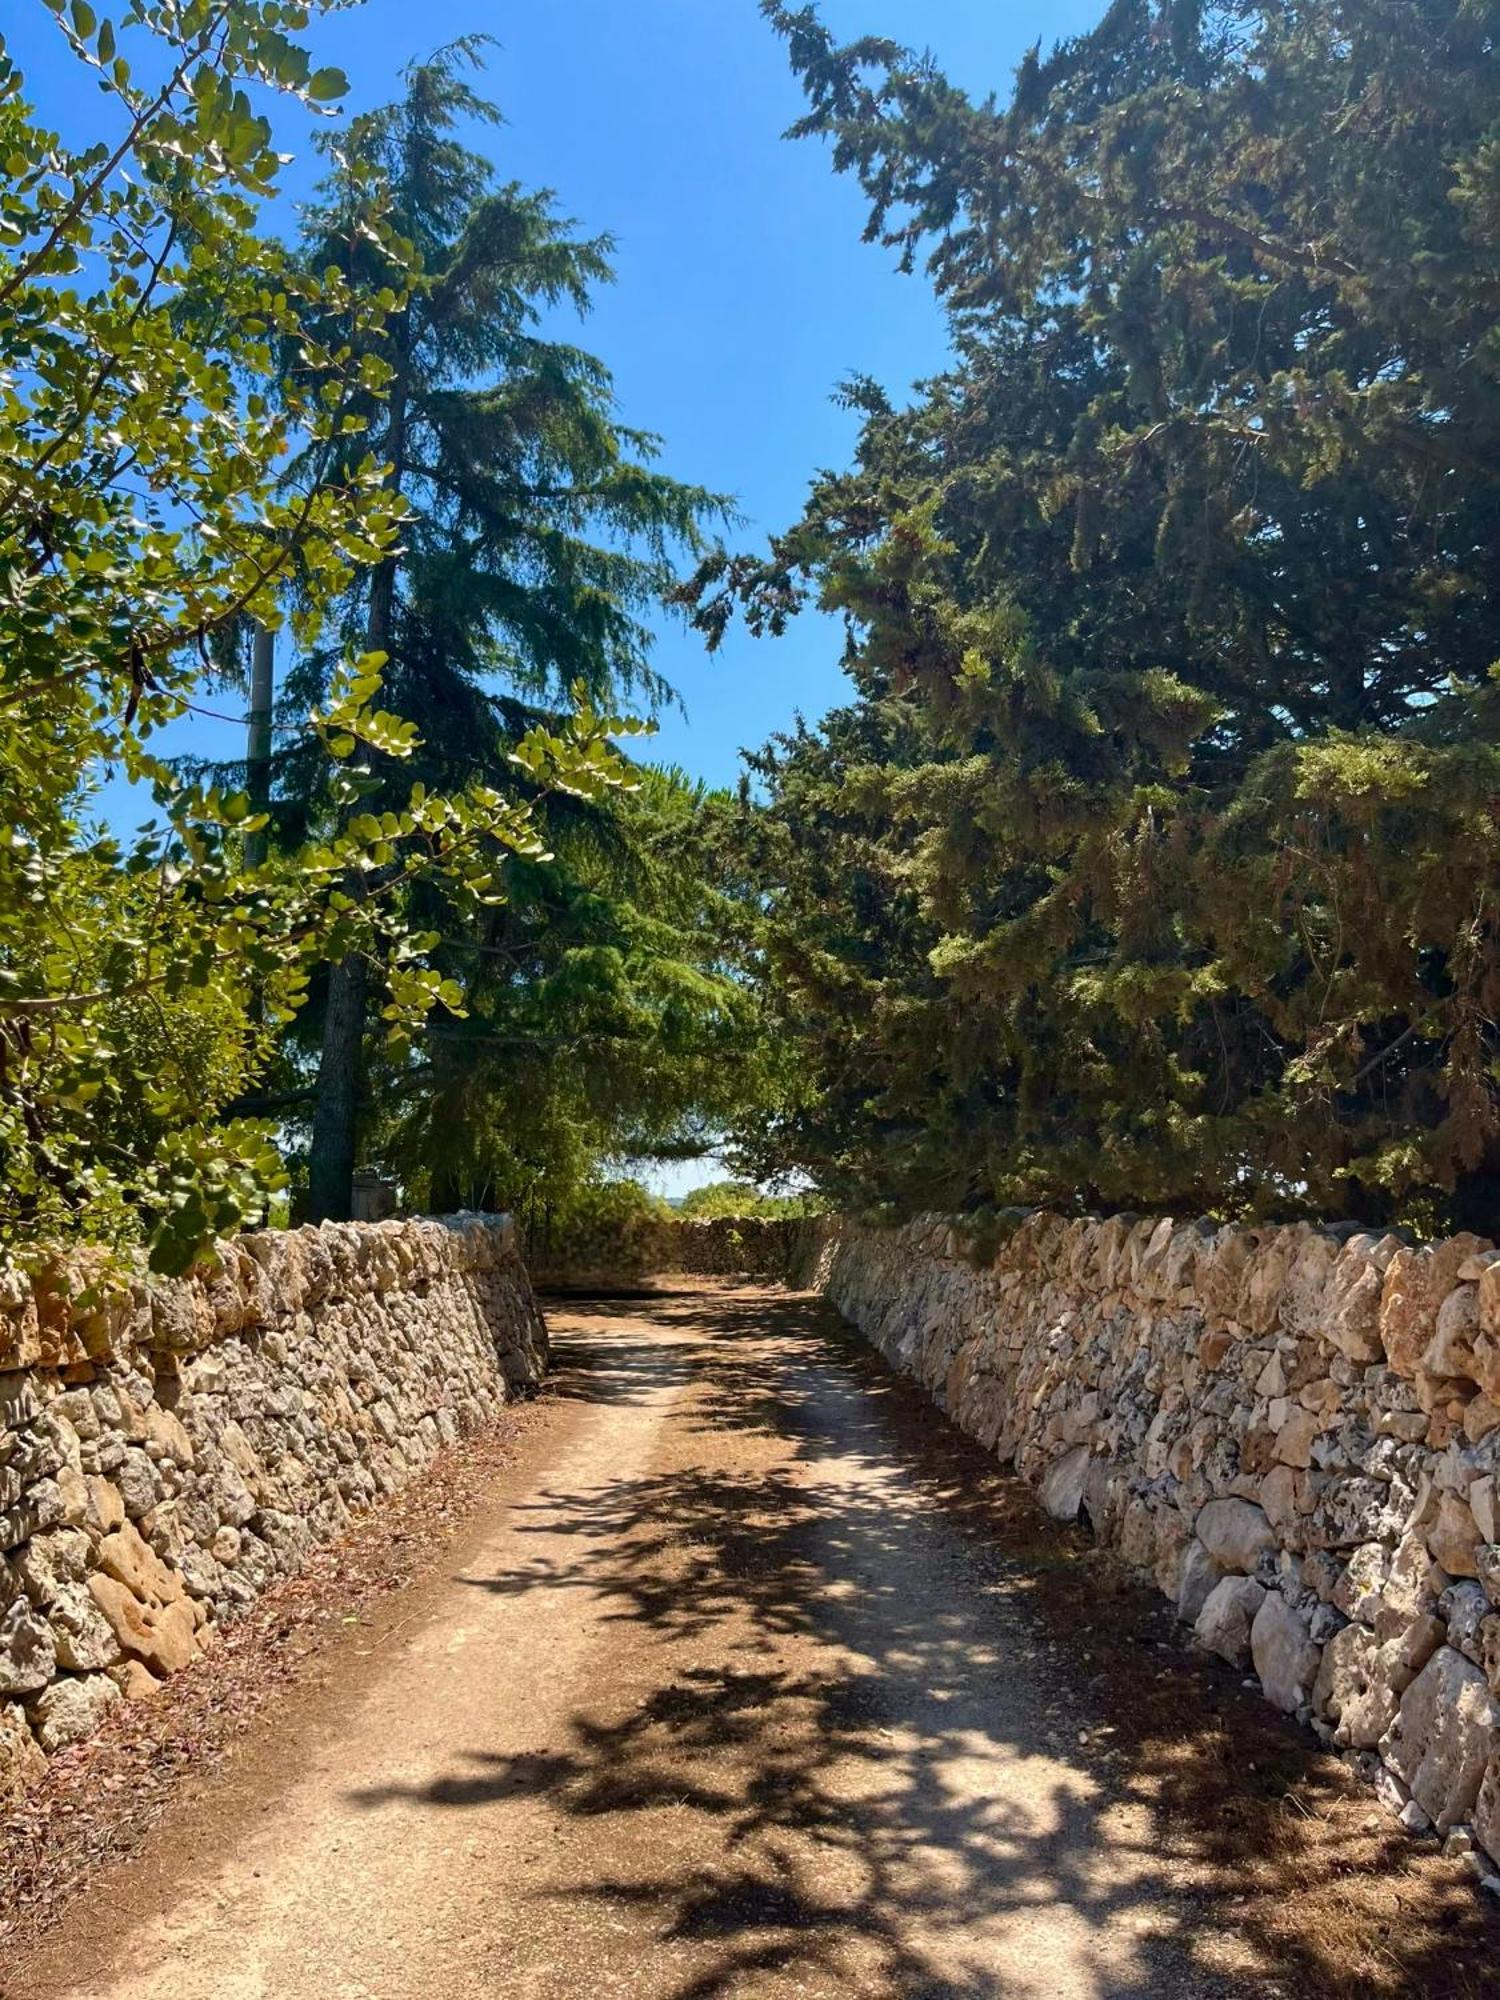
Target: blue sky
745	294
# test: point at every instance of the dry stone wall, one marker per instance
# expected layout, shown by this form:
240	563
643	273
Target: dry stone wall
621	1253
169	1449
1296	1432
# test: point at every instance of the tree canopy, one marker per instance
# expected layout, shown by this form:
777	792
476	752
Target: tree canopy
1155	859
168	477
538	538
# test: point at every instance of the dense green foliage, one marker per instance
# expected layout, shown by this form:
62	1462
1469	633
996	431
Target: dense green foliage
1155	859
601	1023
740	1198
166	477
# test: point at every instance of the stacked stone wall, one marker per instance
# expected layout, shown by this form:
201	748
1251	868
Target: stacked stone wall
1295	1432
622	1253
168	1449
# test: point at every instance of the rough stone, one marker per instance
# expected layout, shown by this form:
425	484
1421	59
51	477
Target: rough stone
1235	1533
1062	1489
1196	1579
85	1642
1454	1537
1284	1656
28	1652
1229	1611
127	1558
71	1709
1443	1737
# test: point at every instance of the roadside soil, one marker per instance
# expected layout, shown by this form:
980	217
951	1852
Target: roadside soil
734	1671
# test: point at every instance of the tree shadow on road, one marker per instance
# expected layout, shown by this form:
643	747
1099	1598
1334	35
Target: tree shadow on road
880	1716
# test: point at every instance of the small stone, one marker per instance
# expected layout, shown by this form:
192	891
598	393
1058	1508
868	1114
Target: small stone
1358	1591
1481	1499
1297	1436
106	1509
136	1479
1465	1607
166	1438
135	1681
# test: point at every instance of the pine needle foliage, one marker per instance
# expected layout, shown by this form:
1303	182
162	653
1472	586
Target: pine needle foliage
1154	861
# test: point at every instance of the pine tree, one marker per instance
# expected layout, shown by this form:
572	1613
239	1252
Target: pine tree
1156	860
538	535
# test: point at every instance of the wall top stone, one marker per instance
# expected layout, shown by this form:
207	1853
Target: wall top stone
83	1306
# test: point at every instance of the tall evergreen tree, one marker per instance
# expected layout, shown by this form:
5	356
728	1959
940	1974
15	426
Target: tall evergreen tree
538	535
1157	859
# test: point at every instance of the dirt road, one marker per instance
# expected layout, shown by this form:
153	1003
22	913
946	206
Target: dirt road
754	1680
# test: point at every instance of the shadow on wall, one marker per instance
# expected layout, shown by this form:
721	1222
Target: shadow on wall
897	1716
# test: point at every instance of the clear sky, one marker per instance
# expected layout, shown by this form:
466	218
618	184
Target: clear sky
745	294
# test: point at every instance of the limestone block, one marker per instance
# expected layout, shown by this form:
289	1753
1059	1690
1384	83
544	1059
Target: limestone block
106	1508
1283	1654
128	1559
1443	1737
84	1639
71	1709
1487	1272
1450	1352
1354	1689
161	1636
1223	1625
1061	1491
1453	1536
28	1652
1413	1584
1352	1310
1296	1437
1309	1281
1235	1533
1417	1281
1463	1608
1169	1554
1196	1579
1279	1495
1137	1534
46	1563
1486	1809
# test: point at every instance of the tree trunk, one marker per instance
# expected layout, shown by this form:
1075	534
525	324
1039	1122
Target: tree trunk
258	745
330	1193
335	1131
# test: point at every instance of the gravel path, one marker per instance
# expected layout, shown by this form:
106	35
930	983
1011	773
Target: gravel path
750	1678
